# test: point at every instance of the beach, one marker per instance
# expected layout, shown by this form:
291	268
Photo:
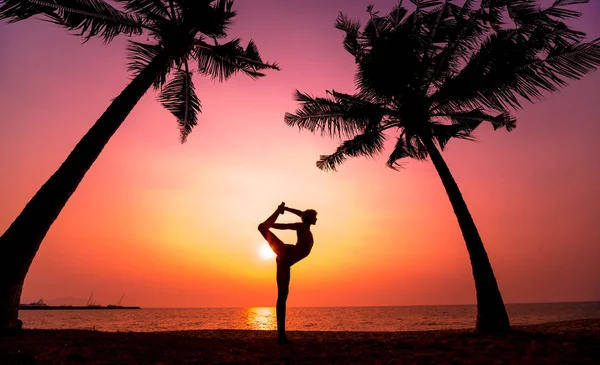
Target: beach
571	342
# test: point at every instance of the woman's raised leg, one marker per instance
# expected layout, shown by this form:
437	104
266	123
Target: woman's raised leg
264	228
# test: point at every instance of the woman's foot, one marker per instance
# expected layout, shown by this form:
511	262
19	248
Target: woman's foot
283	341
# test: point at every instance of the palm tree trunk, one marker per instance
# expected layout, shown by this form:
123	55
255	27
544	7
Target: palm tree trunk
491	313
20	242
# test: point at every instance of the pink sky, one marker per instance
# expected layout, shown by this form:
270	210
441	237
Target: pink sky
174	225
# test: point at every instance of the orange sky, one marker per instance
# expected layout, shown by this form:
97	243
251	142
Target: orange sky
174	225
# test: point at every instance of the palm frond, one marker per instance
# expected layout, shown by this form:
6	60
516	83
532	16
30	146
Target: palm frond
465	123
421	5
424	4
399	152
351	27
509	67
471	119
251	62
414	21
439	15
211	18
375	48
369	143
528	11
337	115
147	8
222	61
463	37
90	18
415	147
440	27
504	120
523	12
396	15
179	97
444	133
386	73
140	55
443	70
570	2
550	21
571	62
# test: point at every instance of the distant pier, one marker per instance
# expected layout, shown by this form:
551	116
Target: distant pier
73	307
91	304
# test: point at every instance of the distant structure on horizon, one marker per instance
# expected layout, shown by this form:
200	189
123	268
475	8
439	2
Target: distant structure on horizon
91	304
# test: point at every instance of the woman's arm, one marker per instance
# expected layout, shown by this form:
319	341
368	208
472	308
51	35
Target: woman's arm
295	211
295	226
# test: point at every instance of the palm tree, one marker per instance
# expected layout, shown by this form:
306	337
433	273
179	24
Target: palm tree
181	30
438	73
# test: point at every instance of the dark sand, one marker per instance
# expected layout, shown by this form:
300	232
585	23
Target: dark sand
573	342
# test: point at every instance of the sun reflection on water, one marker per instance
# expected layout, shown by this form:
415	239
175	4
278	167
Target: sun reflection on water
261	318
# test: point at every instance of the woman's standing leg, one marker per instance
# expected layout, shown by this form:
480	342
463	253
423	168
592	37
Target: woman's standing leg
283	289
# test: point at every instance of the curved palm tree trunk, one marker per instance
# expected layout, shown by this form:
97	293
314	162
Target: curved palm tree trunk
20	242
491	313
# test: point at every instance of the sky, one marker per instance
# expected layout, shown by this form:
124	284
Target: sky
175	225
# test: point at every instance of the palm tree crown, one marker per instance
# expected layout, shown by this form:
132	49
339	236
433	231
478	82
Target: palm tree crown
185	29
440	71
181	30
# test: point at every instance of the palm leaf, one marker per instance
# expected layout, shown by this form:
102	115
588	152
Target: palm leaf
444	133
146	7
151	11
351	27
471	65
396	15
222	61
464	123
251	63
463	37
384	72
338	115
367	144
90	18
179	97
140	55
415	146
211	18
399	152
469	120
570	2
505	68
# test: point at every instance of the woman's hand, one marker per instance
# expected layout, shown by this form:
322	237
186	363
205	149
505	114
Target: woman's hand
281	208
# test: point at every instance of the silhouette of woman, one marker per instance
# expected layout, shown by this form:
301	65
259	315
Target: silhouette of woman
287	255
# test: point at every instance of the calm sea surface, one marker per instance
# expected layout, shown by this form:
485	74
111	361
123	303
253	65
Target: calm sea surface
415	318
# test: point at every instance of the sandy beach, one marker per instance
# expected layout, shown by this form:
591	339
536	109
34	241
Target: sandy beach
573	342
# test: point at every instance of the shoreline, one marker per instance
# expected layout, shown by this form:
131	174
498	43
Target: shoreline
569	342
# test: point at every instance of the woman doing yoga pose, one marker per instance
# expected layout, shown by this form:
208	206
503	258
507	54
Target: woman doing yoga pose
287	255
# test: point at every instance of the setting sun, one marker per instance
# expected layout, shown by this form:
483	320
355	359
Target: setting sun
265	252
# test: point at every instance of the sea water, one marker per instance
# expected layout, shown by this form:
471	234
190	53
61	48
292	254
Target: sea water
405	318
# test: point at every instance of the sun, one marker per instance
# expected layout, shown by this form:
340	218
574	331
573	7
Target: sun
265	252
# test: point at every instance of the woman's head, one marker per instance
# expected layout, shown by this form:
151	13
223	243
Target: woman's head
309	216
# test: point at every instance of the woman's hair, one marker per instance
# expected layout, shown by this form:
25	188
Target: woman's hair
307	214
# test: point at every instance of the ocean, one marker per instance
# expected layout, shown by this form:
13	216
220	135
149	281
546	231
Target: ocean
406	318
